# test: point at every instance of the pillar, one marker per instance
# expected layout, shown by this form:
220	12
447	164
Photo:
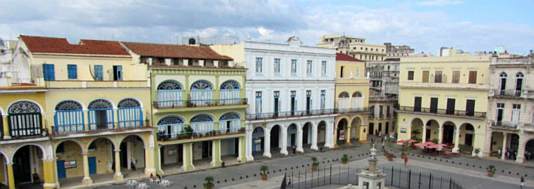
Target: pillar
521	150
440	134
504	141
424	133
49	174
267	143
86	177
10	176
299	138
314	137
242	157
487	143
329	134
216	160
283	148
150	154
5	128
348	134
118	175
248	143
188	157
456	139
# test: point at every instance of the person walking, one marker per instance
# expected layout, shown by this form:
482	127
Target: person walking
522	182
405	160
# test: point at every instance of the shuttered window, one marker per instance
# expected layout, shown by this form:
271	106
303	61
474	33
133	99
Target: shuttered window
48	72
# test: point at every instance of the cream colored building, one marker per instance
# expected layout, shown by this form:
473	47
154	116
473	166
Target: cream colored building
511	109
353	46
352	100
444	99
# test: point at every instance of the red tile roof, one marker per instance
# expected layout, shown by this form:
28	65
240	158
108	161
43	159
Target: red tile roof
345	57
174	51
38	44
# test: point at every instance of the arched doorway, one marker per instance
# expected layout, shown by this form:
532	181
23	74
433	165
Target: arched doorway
24	119
321	134
100	156
341	131
417	129
28	167
355	127
432	131
496	144
101	115
307	134
258	141
276	132
448	133
467	137
69	153
529	151
292	135
132	155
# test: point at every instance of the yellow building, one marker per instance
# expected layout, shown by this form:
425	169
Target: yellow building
198	106
352	100
440	96
98	115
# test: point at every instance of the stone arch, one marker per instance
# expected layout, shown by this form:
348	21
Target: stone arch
110	140
131	153
2	112
448	128
129	103
467	136
529	149
170	84
80	144
28	160
101	103
276	136
258	140
343	94
341	131
69	105
70	150
201	84
432	130
6	157
416	129
40	146
17	104
307	129
357	94
355	128
230	122
202	117
322	132
292	134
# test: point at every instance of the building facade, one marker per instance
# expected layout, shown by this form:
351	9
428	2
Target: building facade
383	91
352	97
444	100
198	106
398	50
290	93
355	47
510	109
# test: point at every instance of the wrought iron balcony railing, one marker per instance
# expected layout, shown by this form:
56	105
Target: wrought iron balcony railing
443	112
169	104
290	114
188	132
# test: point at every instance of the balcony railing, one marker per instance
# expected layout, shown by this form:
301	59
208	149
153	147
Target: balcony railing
504	124
182	131
443	112
70	122
24	125
351	110
289	114
508	93
168	104
96	84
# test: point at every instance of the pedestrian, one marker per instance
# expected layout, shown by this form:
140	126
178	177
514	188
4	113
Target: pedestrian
405	160
522	182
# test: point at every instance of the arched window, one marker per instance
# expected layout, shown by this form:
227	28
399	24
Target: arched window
518	83
201	118
357	101
201	93
202	124
229	116
169	94
100	114
356	94
201	85
230	92
100	104
130	113
230	84
170	127
344	95
68	117
343	103
24	119
230	122
502	87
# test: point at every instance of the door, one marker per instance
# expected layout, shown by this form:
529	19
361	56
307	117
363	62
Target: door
434	105
308	105
99	72
425	76
92	165
117	72
371	128
236	147
305	135
101	119
518	86
427	137
206	149
470	108
503	86
276	108
292	105
293	139
61	173
124	154
451	102
469	139
472	77
417	104
22	166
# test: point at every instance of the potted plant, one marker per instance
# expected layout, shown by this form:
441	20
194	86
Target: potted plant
344	159
491	170
315	164
263	172
208	183
188	131
476	152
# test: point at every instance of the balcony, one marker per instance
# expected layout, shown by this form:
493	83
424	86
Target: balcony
75	122
23	126
289	114
97	84
443	85
444	112
170	104
194	131
351	110
504	124
511	93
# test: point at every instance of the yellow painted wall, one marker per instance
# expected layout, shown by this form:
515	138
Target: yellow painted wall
237	52
354	80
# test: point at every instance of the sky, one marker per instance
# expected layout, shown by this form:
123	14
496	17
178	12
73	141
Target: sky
426	25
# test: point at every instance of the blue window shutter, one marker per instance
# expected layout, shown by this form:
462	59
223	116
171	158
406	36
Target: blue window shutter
48	72
99	75
72	71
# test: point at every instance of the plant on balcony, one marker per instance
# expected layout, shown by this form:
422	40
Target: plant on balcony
263	172
315	164
187	132
491	170
344	159
208	183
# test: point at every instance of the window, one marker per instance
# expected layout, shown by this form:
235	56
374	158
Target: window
425	76
293	102
434	105
500	112
410	75
438	77
293	67
341	71
516	109
72	71
323	68
309	67
470	107
259	64
99	72
451	103
277	66
323	99
48	72
455	76
258	102
308	101
472	77
117	73
417	104
276	102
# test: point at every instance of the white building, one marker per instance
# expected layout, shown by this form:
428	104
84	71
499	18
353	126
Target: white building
290	92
